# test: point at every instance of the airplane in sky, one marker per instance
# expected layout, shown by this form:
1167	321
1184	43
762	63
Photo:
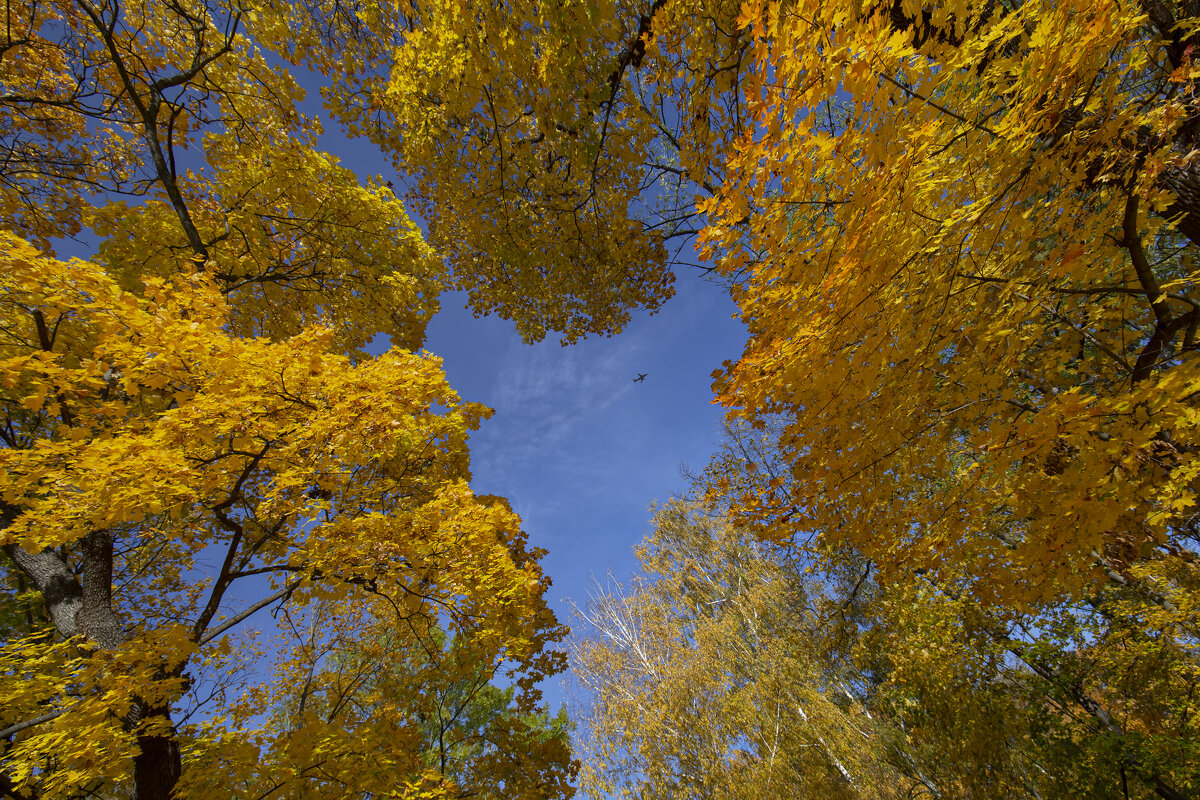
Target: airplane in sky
641	377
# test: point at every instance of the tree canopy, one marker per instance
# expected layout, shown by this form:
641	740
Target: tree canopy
962	235
706	678
193	434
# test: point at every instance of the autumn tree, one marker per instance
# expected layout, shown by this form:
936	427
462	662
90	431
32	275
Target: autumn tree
1077	701
193	433
708	677
975	253
966	261
556	148
381	704
1081	697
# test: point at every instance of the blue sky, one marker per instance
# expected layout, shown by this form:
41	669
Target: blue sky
579	448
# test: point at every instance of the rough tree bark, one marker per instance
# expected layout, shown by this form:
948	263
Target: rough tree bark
82	607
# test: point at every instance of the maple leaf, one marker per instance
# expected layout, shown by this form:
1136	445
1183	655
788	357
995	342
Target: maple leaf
194	436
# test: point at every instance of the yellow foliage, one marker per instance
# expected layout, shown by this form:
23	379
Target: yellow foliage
707	677
967	283
345	481
194	436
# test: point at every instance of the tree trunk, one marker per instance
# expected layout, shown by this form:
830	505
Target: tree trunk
83	607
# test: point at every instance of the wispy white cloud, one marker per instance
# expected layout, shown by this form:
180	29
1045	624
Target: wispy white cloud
549	393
